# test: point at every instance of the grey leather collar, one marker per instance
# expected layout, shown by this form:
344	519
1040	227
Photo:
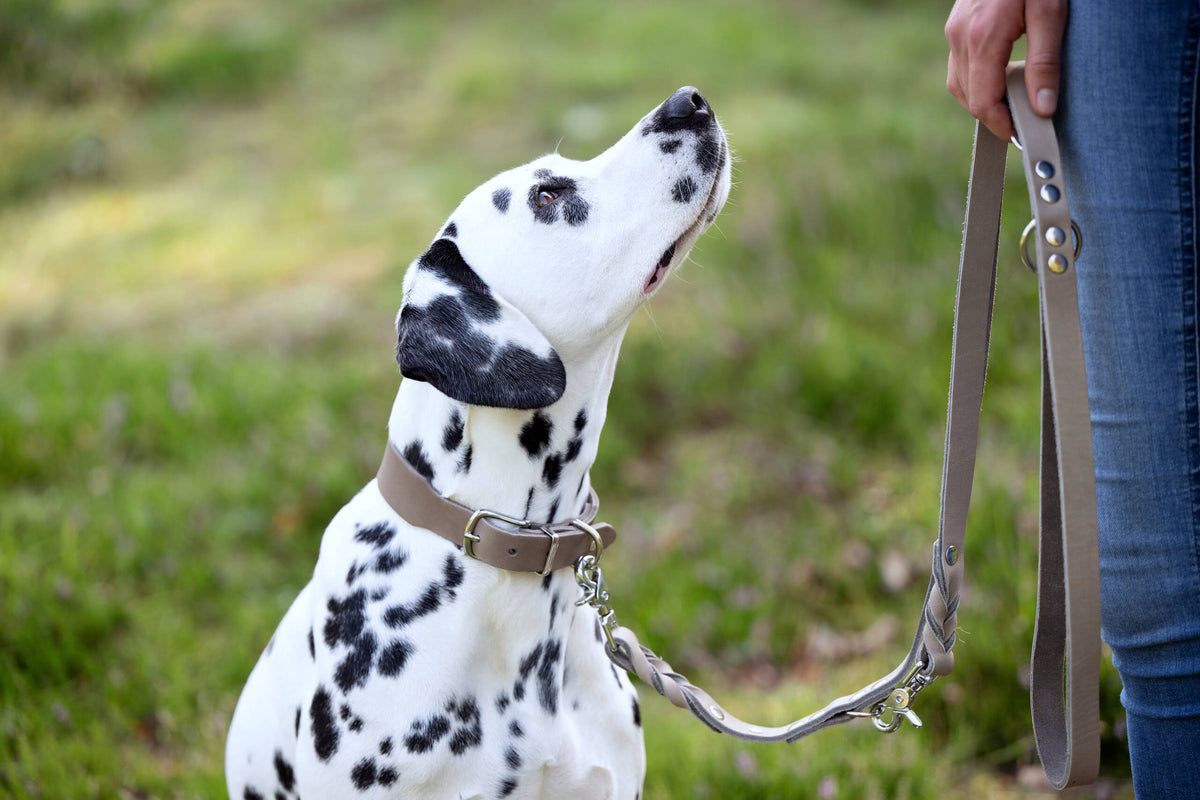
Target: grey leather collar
516	545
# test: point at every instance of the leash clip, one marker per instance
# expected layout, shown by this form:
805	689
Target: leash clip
591	581
888	715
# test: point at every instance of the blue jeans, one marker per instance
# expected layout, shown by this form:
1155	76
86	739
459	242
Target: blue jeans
1129	130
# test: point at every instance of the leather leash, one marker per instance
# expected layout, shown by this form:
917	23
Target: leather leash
1066	655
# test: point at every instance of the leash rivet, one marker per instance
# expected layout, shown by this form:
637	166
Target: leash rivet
1057	263
716	712
1055	236
952	555
1044	170
1050	193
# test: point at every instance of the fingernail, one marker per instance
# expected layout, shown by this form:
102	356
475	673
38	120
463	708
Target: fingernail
1047	99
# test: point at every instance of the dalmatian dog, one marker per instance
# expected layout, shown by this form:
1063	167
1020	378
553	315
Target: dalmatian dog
405	668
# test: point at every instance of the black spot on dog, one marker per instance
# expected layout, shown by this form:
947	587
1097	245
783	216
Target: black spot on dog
508	786
451	231
512	758
387	776
574	208
414	454
535	434
547	688
284	771
452	575
388	562
312	645
444	260
581	421
355	572
669	145
554	613
501	198
554	510
529	502
346	619
546	582
250	794
400	615
344	626
385	746
431	599
425	734
377	535
464	463
345	713
297	720
324	726
356	724
552	470
573	448
502	702
515	729
710	154
452	436
470	731
394	657
364	774
684	189
637	713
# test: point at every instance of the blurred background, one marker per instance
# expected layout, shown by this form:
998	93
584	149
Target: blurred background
206	209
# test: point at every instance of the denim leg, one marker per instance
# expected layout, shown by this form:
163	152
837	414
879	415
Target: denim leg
1127	120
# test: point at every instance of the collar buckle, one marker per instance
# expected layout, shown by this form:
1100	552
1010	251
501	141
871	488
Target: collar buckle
471	538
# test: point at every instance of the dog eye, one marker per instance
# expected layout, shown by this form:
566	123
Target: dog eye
545	197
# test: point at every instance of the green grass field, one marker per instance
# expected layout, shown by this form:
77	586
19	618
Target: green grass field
206	209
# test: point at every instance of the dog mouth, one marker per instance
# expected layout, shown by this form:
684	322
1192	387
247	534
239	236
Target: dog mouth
708	213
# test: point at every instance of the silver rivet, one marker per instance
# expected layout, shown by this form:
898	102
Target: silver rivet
1057	263
1050	193
716	712
1055	236
952	555
1044	170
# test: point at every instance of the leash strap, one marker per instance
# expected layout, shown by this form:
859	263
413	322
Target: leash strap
1066	655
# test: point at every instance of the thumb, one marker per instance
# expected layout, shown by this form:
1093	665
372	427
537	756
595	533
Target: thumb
1045	21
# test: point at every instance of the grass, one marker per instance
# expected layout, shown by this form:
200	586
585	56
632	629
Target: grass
207	209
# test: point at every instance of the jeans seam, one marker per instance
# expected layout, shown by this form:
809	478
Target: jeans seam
1188	146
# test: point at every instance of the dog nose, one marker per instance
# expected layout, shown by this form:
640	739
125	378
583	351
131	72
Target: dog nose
685	103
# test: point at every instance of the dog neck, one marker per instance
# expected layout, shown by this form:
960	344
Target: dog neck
527	464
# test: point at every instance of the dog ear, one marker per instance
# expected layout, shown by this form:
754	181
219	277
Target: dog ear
469	343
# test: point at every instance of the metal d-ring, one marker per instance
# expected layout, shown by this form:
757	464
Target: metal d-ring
1032	226
597	540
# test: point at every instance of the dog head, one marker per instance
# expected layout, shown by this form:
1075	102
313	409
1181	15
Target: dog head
547	263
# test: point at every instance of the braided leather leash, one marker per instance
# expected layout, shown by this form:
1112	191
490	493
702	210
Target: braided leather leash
1066	655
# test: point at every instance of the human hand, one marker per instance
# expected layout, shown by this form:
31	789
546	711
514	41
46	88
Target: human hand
981	35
